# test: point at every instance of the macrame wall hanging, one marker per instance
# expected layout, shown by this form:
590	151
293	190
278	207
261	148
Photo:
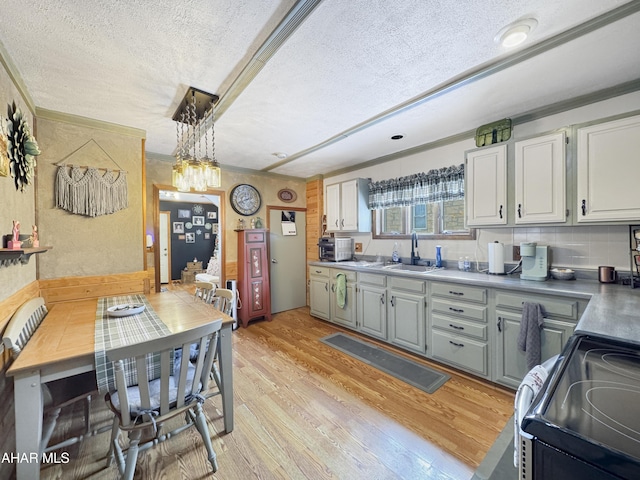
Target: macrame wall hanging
83	190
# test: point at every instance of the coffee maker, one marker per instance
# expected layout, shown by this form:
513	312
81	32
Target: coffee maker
535	262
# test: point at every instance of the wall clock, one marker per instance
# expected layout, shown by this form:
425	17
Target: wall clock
245	199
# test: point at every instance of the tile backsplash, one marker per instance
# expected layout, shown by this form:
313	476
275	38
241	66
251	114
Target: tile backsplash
579	247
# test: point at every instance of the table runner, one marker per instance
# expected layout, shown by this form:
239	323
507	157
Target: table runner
112	332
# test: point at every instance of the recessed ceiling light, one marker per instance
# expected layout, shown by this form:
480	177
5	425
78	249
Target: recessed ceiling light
515	33
397	137
279	155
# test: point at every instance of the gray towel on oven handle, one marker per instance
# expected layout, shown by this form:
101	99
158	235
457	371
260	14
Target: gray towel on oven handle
529	336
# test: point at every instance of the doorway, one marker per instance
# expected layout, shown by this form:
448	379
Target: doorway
288	262
195	230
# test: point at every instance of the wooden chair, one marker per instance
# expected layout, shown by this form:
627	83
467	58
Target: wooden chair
222	300
204	291
56	394
149	402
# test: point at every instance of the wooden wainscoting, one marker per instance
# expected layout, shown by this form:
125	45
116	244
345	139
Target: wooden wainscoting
68	289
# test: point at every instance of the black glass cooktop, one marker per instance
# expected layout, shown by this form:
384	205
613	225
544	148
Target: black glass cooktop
591	408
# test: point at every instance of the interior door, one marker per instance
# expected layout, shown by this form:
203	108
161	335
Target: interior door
288	267
165	247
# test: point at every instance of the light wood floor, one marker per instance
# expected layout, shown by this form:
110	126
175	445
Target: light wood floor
306	411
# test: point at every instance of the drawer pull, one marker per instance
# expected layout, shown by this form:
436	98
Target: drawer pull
456	326
318	271
500	324
457	310
455	293
456	344
326	287
382	298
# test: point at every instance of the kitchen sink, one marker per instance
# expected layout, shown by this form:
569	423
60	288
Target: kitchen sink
412	268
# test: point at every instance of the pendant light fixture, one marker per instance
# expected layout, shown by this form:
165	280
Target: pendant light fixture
194	117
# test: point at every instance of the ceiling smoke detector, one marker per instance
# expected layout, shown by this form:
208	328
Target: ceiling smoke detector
515	33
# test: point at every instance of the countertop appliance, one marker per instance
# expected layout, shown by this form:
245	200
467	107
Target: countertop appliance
585	421
535	262
335	249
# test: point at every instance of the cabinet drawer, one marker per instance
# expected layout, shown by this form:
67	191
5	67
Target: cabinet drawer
553	307
407	284
459	292
460	309
351	276
461	351
319	271
372	279
462	327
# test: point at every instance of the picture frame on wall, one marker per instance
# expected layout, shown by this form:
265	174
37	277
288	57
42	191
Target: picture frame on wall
184	213
178	227
190	238
212	215
180	237
207	236
198	220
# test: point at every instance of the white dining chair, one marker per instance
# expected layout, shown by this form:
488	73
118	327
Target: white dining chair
146	403
56	394
204	291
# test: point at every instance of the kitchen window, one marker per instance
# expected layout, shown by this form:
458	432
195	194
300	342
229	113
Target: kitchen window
431	204
440	220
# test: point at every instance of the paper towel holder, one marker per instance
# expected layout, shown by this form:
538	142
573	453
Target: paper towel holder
495	252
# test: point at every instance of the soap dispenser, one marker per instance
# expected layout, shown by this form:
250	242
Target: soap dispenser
438	256
394	256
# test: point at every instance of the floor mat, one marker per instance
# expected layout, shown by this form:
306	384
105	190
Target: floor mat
411	372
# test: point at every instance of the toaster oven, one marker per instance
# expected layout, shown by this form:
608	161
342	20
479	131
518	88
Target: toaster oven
332	249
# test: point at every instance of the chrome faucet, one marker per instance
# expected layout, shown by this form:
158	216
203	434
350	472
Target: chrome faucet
415	256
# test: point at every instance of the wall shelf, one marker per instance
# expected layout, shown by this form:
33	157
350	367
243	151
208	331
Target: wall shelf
9	256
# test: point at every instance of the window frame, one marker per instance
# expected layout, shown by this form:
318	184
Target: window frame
376	223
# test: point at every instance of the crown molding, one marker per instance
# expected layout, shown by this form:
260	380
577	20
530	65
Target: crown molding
16	78
55	116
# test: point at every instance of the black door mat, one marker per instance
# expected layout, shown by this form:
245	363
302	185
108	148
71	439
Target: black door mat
413	373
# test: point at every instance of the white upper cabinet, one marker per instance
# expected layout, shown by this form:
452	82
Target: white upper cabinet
608	165
486	186
347	206
540	171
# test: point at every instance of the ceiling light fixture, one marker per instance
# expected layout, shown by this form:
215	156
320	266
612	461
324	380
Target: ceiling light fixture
397	137
192	170
515	33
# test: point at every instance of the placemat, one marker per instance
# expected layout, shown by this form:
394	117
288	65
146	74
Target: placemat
112	332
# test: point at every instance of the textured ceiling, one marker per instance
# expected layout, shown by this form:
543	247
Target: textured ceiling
320	97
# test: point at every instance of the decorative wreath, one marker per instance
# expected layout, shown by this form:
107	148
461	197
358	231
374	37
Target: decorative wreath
22	148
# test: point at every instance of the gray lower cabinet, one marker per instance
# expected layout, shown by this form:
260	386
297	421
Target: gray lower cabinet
345	315
561	316
460	332
319	293
372	305
407	313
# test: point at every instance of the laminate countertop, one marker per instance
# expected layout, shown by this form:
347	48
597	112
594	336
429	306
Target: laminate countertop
613	310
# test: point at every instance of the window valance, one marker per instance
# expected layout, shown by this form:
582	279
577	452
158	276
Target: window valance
434	186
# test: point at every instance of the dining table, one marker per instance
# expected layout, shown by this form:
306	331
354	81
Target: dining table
65	345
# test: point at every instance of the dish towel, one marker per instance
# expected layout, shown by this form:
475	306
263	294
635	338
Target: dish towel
341	289
529	336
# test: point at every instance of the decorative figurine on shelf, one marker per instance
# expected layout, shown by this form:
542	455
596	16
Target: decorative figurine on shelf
253	223
258	222
15	242
240	224
34	237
